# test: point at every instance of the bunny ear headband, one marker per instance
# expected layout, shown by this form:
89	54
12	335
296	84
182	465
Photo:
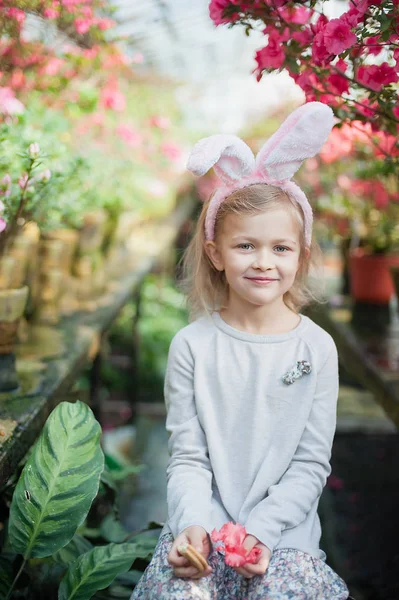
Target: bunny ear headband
301	136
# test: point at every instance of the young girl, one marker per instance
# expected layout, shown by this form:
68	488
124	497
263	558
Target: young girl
251	384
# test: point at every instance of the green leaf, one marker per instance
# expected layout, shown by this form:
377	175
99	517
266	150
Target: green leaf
58	483
77	546
6	577
96	569
112	529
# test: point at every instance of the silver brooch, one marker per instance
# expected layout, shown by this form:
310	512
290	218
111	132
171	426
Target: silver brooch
302	367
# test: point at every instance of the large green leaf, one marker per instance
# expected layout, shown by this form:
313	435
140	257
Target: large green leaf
96	569
6	577
58	483
77	546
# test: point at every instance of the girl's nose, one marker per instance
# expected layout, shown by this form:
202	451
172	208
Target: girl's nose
264	260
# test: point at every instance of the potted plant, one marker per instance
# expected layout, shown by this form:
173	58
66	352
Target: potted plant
354	189
22	185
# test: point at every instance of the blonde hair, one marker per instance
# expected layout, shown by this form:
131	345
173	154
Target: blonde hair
206	288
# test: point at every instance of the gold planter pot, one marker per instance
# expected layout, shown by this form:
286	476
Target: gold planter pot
51	282
12	306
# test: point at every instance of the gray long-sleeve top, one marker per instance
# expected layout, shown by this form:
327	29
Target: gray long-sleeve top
244	446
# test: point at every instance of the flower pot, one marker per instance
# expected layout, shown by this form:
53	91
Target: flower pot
52	282
92	233
25	249
8	264
395	277
69	239
12	306
370	277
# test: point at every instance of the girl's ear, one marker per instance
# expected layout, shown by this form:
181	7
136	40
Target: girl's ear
214	255
301	136
231	158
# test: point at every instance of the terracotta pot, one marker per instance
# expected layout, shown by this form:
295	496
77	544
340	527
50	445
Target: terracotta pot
52	282
28	241
93	231
8	264
370	277
395	277
69	239
12	306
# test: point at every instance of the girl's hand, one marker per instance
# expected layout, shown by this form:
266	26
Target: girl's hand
259	568
197	537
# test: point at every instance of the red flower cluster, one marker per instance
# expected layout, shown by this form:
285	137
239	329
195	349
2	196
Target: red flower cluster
337	61
232	535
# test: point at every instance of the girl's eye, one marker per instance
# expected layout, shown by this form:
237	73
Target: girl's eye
242	245
283	248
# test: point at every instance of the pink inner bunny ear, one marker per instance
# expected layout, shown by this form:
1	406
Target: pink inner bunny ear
228	154
301	136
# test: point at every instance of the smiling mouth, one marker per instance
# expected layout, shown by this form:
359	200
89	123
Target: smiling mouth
261	279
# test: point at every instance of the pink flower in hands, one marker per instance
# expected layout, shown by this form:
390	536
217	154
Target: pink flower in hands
232	535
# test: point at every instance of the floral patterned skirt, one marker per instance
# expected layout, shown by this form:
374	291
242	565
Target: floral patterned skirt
291	574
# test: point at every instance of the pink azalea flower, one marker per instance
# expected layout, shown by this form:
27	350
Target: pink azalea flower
320	24
86	11
376	76
104	24
17	80
50	13
112	98
339	83
216	10
171	151
271	56
300	15
338	36
232	535
9	105
374	45
341	65
307	80
276	3
3	225
380	195
356	13
82	26
365	108
320	54
303	37
52	67
129	135
17	14
22	181
160	122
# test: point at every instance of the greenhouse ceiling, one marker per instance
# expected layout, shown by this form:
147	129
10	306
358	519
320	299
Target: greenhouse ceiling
178	39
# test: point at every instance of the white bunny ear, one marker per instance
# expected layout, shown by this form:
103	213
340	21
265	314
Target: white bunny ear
301	136
231	158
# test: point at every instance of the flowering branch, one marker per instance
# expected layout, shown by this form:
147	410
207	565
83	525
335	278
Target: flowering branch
353	59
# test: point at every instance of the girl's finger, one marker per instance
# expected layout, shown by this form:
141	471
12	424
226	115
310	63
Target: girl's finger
174	557
178	561
190	572
258	568
203	573
242	571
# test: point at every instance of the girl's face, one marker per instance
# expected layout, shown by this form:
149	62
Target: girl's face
259	254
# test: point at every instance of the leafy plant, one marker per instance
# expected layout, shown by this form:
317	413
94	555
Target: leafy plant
51	501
